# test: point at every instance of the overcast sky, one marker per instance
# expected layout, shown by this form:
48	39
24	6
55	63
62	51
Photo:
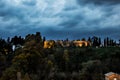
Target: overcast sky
60	19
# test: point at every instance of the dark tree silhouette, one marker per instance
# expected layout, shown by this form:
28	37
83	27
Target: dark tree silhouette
89	39
95	41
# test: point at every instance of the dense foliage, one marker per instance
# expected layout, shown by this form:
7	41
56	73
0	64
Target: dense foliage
57	63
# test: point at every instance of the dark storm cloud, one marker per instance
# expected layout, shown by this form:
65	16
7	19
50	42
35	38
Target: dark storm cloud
70	24
60	18
70	8
99	2
31	3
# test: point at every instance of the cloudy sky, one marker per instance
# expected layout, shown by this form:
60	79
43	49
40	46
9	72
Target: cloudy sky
60	19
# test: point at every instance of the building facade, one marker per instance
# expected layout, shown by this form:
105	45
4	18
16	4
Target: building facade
112	76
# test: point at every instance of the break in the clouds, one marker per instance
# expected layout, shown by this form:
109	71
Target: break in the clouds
59	19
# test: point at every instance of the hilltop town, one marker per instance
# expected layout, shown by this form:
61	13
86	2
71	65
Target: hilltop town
18	41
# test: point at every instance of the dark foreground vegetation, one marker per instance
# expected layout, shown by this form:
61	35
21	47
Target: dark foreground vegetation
33	62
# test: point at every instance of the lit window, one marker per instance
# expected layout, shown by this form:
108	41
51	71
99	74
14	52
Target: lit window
115	78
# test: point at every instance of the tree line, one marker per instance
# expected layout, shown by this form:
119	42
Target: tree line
33	62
